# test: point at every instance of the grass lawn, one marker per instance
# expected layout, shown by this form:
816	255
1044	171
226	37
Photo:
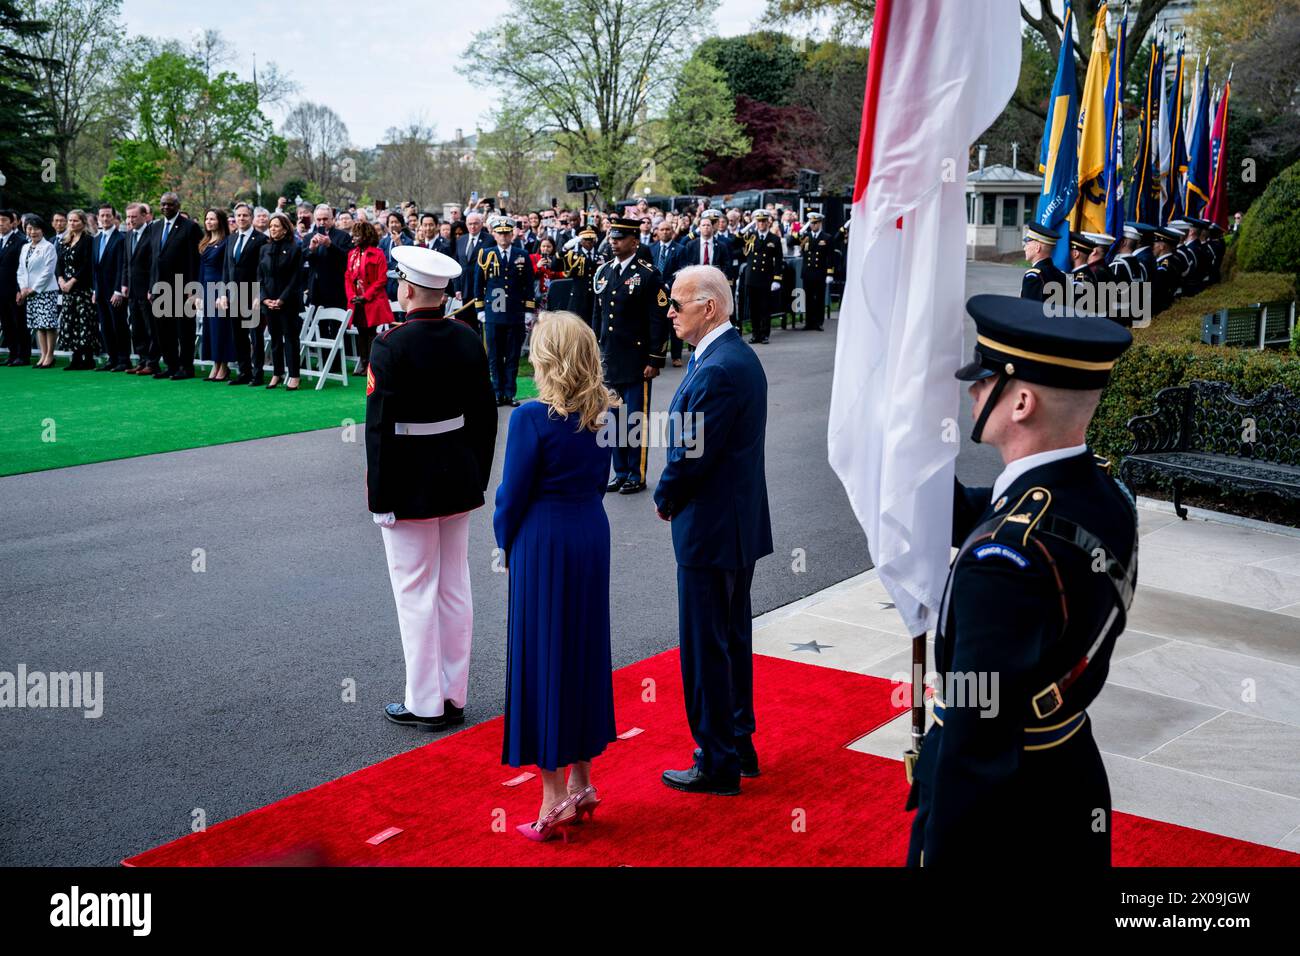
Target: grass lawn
53	419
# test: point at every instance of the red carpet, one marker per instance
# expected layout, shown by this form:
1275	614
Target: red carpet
816	804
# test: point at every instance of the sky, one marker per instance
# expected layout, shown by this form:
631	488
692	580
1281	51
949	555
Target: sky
394	66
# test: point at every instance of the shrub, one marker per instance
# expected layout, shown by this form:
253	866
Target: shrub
1169	352
1270	230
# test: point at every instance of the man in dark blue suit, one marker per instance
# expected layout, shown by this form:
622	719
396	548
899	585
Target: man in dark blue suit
665	251
108	280
13	317
714	491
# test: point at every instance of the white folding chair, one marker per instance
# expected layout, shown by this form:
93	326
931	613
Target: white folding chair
315	343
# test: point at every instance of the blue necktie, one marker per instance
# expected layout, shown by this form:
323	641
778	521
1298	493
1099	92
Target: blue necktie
167	228
103	238
239	246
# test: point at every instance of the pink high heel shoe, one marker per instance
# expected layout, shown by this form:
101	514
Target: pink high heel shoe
587	804
551	825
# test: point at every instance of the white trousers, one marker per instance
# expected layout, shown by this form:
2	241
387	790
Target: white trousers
428	565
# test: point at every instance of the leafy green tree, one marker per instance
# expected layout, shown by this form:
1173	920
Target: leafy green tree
762	66
510	157
593	73
24	120
135	173
700	125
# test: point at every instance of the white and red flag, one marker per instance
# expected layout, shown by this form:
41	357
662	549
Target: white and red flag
940	72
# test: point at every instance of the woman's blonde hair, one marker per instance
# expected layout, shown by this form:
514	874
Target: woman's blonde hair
566	360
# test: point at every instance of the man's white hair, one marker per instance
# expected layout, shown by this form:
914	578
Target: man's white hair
709	282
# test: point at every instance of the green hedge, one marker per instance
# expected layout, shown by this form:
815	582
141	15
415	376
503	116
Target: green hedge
1169	352
1270	230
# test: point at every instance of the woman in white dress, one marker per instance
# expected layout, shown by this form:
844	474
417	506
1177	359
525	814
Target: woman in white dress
38	287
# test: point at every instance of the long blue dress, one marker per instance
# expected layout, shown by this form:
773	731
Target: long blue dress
550	522
218	335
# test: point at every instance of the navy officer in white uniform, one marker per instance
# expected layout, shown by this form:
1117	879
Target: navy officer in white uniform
431	425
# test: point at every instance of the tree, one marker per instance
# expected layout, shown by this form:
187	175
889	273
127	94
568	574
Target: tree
510	158
405	167
783	139
202	121
317	140
594	73
850	19
832	87
135	173
700	125
762	66
24	121
67	61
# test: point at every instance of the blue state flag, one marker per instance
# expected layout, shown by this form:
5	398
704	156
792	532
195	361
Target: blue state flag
1058	154
1198	165
1114	173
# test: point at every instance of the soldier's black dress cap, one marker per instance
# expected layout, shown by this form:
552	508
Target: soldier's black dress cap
1017	340
621	227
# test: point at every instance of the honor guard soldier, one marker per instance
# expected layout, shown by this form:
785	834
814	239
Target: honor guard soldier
1101	243
632	324
431	426
580	266
1081	273
501	285
1143	252
818	268
1218	248
1009	775
1169	269
1042	275
1124	265
764	264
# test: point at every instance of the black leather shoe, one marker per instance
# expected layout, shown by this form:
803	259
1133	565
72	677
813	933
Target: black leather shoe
615	485
453	714
239	380
161	374
513	403
695	781
106	367
748	762
182	374
257	381
500	402
631	487
398	714
755	341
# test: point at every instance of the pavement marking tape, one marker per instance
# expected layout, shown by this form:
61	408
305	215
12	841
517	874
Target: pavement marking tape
628	734
522	778
383	835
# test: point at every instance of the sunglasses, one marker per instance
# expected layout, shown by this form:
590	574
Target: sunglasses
678	306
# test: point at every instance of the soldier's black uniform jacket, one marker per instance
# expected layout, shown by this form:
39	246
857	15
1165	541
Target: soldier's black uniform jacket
764	258
1040	276
818	254
1217	249
428	370
580	266
1042	573
630	319
1165	283
1127	268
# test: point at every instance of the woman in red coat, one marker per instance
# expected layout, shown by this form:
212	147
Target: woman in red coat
366	280
547	267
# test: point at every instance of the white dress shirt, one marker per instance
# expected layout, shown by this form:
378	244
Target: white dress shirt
716	333
1021	465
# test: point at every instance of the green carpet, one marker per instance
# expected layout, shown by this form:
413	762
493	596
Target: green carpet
53	419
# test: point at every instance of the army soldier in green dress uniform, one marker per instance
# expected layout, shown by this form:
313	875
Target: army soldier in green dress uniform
818	266
631	317
1043	275
1009	775
764	263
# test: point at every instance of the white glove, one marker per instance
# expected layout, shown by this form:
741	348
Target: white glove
529	319
776	287
386	520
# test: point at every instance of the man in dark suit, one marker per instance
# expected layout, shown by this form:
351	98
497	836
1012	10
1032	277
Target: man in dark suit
665	251
174	248
108	271
136	268
239	273
713	490
468	247
327	257
13	317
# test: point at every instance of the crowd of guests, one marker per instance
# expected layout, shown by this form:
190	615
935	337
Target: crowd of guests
128	290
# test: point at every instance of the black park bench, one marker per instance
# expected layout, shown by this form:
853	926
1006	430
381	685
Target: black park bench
1204	434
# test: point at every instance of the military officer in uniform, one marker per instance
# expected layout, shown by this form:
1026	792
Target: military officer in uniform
764	264
1081	273
431	426
580	265
1169	269
1217	248
501	285
632	324
1101	243
1124	265
818	247
1009	775
1042	275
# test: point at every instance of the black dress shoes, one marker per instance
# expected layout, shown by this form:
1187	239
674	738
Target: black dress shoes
631	487
615	485
239	380
695	781
160	373
257	381
455	716
398	714
182	374
106	367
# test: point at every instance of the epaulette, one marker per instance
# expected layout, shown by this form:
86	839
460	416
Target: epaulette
1022	517
1033	272
1102	463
